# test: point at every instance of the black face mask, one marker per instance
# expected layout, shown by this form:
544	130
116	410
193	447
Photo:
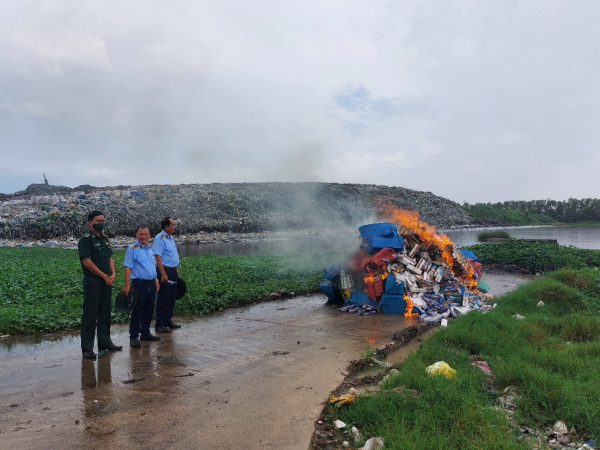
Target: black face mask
98	227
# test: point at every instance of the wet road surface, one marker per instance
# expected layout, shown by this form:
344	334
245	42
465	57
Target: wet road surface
254	377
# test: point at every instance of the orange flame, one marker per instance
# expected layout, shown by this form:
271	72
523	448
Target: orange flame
409	306
374	275
409	221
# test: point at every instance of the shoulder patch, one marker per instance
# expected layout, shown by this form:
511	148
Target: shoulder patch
88	234
135	246
151	245
162	236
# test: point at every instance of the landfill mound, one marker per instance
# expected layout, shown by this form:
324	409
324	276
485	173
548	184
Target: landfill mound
46	211
408	268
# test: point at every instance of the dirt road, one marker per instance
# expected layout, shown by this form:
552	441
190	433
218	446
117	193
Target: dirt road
252	378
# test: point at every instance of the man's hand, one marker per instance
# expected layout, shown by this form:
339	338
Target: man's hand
164	278
111	279
157	285
125	290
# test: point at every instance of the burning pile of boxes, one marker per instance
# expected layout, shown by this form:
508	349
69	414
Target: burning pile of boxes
410	269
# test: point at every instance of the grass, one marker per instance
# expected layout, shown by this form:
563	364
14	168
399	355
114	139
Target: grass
41	289
550	358
498	234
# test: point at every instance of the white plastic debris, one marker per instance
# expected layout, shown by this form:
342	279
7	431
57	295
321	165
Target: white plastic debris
540	303
444	322
391	373
518	317
356	433
375	443
560	428
381	363
339	424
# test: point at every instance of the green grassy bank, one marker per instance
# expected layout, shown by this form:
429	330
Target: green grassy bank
550	358
536	256
488	213
41	290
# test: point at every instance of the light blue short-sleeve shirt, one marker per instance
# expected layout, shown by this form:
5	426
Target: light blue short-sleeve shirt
140	259
165	247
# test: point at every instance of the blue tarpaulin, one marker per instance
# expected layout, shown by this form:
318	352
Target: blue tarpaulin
469	255
381	235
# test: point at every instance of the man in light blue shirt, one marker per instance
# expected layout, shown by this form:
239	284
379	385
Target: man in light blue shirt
167	261
140	267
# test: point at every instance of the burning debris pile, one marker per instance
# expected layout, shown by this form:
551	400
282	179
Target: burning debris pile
406	267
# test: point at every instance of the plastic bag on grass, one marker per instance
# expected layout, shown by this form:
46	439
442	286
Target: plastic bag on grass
441	368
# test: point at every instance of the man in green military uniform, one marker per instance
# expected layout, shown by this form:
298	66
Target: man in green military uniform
98	267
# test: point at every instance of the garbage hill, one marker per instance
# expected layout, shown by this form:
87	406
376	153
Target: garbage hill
46	211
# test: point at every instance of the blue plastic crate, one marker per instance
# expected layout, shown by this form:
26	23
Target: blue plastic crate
327	289
359	297
393	304
393	287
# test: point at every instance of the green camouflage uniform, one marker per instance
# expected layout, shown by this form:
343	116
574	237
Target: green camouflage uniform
96	293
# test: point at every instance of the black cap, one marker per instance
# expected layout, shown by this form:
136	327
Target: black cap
126	303
181	288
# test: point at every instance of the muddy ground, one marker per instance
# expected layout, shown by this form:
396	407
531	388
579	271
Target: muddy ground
255	377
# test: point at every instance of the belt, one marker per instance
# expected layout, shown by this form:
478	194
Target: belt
170	268
138	280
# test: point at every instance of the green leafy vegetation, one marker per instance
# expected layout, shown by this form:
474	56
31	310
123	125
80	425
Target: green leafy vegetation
549	359
487	212
544	211
496	234
535	256
41	288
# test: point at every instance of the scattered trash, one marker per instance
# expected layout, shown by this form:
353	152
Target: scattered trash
4	336
518	317
540	303
189	374
560	428
441	368
134	380
350	397
390	374
444	322
408	269
375	443
356	433
483	366
339	424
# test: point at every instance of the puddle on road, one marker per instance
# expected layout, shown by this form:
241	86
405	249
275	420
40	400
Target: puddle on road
257	354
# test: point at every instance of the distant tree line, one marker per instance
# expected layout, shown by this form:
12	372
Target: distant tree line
572	210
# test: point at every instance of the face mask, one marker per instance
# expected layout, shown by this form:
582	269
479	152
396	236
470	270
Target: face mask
98	227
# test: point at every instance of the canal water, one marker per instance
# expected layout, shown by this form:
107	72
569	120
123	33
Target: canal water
582	237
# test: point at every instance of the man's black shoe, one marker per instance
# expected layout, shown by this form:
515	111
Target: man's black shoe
149	337
112	347
135	342
171	324
162	329
88	354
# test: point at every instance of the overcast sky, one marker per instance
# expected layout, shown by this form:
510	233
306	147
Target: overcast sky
472	100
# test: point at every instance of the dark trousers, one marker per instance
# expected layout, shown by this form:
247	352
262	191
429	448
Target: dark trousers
166	298
141	316
96	313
